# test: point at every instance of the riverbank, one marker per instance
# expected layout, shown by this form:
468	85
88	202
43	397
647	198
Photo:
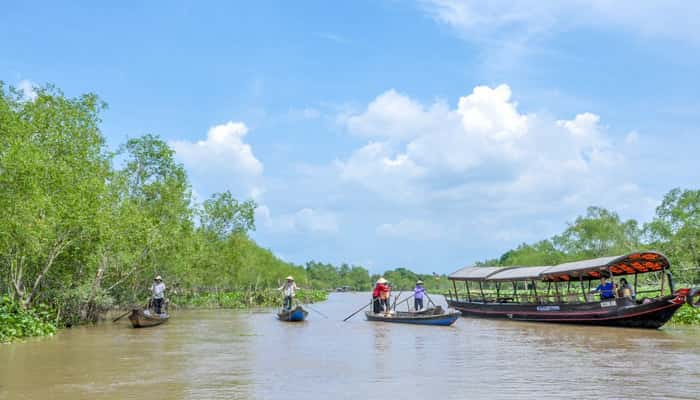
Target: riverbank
17	323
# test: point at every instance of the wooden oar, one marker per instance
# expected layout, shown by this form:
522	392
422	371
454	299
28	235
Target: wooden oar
322	314
397	299
353	314
404	300
121	316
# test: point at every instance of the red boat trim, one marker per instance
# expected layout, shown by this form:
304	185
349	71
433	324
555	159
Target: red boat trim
580	319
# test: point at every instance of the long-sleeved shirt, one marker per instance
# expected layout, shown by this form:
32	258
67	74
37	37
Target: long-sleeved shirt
158	290
418	292
289	288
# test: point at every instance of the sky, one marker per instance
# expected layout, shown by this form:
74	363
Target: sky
420	134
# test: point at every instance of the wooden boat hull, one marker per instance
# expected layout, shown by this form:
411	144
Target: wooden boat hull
621	312
439	319
296	314
141	319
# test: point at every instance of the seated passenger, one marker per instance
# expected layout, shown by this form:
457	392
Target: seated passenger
606	289
625	289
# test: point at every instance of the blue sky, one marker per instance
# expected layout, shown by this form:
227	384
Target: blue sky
424	134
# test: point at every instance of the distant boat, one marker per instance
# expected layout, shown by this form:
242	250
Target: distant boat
562	293
296	314
145	318
432	316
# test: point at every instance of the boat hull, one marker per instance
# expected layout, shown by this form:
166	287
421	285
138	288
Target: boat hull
444	319
621	312
296	314
141	319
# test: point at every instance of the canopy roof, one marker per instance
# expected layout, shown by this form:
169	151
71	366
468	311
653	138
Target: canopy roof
641	262
474	273
518	274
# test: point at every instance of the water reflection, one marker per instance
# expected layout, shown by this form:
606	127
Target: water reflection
235	355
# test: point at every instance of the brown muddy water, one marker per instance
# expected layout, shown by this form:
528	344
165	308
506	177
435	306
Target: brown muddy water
250	355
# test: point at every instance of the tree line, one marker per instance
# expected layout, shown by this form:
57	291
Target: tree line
674	231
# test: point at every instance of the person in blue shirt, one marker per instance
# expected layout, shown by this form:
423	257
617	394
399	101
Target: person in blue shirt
606	289
418	293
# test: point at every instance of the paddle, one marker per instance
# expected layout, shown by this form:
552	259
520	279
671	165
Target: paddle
121	316
396	299
353	314
322	314
404	300
148	305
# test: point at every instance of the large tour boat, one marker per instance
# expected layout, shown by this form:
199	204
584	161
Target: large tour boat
563	293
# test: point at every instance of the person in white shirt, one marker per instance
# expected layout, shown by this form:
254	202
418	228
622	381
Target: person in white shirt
158	293
289	289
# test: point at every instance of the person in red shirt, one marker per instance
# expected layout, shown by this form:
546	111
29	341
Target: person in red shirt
380	296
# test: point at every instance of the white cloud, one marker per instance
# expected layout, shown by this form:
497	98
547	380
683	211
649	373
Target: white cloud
27	89
222	159
485	147
508	20
304	220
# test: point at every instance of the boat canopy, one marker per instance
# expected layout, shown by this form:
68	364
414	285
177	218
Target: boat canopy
640	262
633	263
518	274
474	273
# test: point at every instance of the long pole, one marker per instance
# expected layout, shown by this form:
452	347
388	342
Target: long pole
322	314
362	308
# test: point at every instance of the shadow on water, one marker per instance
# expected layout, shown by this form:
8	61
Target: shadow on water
227	354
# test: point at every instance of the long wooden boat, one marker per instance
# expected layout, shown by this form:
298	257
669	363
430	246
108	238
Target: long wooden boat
295	314
562	293
434	316
145	318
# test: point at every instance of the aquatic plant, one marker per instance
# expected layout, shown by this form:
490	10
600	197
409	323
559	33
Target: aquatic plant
17	322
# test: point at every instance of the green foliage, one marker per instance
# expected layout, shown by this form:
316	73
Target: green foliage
16	322
328	276
675	230
242	300
686	315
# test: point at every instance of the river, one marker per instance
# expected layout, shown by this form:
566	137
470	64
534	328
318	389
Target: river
225	354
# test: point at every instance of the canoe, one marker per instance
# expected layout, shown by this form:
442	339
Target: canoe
296	314
433	316
145	318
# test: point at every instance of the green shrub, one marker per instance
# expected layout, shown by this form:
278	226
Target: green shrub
686	315
16	322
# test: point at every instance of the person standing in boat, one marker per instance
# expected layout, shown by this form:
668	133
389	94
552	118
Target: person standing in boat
606	289
289	289
380	294
418	294
158	293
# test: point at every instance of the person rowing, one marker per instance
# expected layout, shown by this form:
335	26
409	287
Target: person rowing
289	289
418	293
380	296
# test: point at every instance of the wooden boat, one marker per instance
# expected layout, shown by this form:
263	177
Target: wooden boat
295	314
141	318
562	293
432	316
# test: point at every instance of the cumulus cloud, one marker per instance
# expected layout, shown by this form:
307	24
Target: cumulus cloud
222	157
484	145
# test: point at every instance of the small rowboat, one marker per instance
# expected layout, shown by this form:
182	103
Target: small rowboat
296	314
432	316
144	318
